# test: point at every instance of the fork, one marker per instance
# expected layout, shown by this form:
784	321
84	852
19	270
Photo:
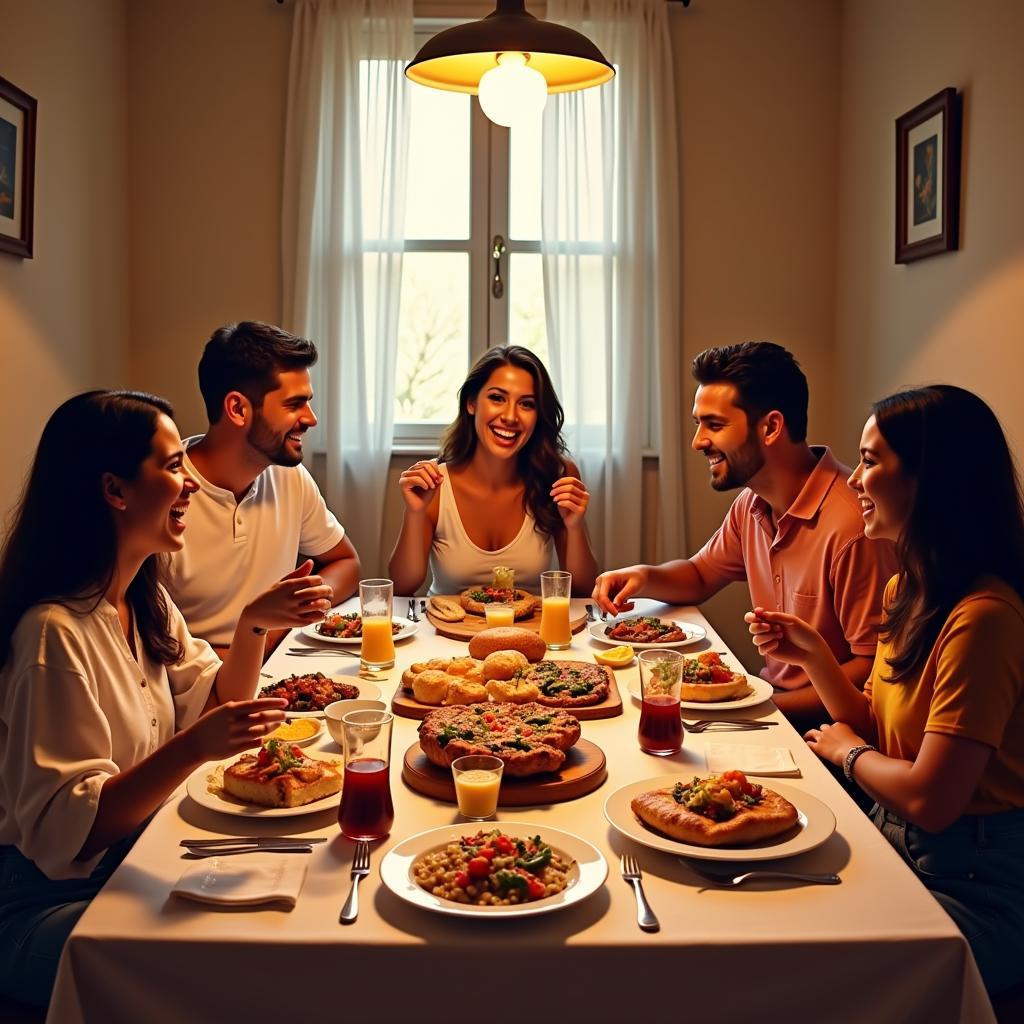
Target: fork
631	873
591	617
411	613
725	726
315	652
726	881
360	869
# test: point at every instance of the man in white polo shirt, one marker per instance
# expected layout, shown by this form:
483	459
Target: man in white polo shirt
257	509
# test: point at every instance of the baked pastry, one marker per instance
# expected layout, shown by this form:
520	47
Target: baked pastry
504	664
461	666
720	810
529	738
431	686
707	678
568	684
515	690
446	609
460	691
281	776
507	638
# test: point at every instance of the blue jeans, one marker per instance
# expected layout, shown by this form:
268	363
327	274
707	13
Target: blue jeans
975	869
36	917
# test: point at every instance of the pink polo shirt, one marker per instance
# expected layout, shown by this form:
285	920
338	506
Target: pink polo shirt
816	563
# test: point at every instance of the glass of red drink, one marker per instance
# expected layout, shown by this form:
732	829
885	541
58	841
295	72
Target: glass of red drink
366	810
661	728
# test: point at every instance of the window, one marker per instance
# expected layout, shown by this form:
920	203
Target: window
471	186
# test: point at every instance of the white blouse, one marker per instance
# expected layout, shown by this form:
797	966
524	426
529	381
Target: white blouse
77	707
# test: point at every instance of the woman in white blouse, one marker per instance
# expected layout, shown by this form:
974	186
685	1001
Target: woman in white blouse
107	703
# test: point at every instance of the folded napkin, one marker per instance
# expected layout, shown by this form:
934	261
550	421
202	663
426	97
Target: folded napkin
239	881
778	761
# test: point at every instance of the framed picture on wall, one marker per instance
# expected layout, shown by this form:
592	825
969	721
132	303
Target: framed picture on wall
928	178
17	168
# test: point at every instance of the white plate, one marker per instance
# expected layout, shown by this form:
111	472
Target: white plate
407	630
694	633
197	785
367	691
587	876
760	691
815	824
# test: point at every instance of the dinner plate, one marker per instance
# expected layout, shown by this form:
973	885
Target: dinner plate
588	873
407	629
367	691
760	691
202	786
693	632
815	824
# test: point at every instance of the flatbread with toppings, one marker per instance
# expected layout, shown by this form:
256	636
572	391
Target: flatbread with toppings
707	678
476	599
720	810
567	684
529	738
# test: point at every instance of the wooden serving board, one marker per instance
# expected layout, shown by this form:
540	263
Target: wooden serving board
473	624
407	706
583	771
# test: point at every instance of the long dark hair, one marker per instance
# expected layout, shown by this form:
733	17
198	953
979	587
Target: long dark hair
542	459
955	534
62	544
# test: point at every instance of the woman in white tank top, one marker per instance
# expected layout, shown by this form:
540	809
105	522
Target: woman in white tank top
504	493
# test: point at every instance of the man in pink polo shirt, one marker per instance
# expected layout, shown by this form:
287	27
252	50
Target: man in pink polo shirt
795	531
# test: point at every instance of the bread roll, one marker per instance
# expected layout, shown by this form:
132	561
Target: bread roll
507	638
462	692
513	690
503	664
431	687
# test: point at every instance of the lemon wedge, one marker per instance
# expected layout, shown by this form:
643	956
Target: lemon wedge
615	657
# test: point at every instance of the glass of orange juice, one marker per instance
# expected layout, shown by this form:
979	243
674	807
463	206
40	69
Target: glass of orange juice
499	614
555	588
477	784
375	599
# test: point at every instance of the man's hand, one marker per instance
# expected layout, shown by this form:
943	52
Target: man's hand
294	600
613	590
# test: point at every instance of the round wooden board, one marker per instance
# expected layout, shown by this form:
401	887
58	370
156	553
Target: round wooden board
583	771
406	705
473	624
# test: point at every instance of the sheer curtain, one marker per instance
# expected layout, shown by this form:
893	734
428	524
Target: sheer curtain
343	219
611	257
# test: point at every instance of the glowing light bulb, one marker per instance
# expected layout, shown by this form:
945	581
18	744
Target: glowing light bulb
512	92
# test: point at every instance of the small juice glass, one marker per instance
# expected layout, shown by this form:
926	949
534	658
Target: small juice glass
477	784
661	727
375	600
499	614
555	630
366	810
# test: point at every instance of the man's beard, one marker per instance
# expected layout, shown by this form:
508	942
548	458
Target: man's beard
273	447
739	467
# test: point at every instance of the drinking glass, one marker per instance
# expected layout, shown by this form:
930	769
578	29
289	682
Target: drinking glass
499	614
555	588
375	599
366	810
477	783
661	727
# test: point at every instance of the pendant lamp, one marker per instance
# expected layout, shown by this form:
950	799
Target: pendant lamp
511	60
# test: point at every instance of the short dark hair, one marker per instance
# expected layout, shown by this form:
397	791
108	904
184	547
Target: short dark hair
247	357
765	376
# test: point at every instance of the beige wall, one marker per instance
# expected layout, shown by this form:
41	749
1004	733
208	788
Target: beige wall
63	313
957	317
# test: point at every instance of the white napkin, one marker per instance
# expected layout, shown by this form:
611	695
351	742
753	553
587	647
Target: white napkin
245	879
778	761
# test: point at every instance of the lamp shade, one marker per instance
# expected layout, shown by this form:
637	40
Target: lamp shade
458	57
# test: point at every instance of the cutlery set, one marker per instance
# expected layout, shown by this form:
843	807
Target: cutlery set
196	848
726	725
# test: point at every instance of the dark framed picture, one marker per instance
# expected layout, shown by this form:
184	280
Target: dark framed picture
17	168
928	178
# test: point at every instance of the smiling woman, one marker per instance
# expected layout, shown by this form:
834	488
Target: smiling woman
503	491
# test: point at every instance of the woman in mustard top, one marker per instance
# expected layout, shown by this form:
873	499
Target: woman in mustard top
937	736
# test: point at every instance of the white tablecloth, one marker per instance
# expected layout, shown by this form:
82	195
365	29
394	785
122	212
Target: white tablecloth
876	948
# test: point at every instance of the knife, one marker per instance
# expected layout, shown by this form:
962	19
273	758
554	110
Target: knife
205	844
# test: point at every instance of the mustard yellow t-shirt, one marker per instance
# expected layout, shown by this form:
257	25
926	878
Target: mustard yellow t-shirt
971	685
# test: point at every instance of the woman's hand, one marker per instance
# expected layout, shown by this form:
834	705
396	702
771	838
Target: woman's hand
832	742
572	498
294	600
233	727
785	637
418	484
613	590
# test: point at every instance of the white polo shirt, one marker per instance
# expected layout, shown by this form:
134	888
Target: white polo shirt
235	550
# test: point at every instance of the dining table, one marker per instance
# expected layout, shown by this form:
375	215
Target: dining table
875	947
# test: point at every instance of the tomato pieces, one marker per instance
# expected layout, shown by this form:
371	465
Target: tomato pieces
503	845
479	867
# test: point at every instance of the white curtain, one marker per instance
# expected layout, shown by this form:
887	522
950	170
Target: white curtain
343	219
611	256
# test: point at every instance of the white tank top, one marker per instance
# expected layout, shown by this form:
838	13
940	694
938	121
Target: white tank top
457	563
